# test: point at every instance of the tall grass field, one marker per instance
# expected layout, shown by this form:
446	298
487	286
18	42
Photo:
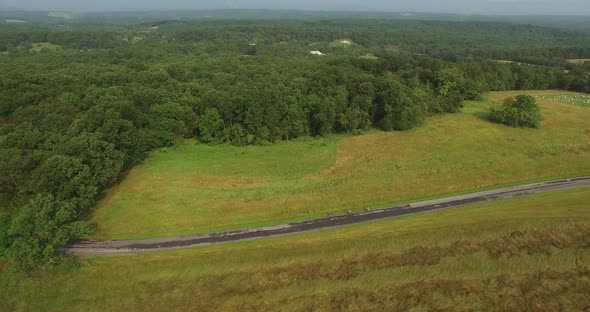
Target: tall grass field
194	188
522	254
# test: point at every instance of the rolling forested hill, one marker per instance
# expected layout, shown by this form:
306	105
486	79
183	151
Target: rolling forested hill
83	101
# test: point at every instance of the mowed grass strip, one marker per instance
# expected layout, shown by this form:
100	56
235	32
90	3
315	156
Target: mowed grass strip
198	188
512	254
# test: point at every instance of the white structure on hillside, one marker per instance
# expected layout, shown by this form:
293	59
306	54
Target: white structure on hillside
316	53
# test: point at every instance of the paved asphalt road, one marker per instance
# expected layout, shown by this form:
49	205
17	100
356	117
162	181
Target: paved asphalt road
97	247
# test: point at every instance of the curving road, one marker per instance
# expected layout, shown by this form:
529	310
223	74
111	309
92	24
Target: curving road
98	247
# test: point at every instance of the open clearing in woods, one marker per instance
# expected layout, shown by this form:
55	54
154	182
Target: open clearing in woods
198	188
444	260
578	61
39	46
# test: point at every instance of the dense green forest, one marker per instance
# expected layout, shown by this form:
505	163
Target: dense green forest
81	103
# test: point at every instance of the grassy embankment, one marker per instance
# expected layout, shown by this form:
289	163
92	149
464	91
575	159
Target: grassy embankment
519	254
198	188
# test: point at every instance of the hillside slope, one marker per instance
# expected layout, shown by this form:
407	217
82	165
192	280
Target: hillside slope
199	188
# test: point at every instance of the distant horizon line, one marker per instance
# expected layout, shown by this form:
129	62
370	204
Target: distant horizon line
383	12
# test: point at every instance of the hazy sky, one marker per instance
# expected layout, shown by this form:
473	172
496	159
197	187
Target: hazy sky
577	7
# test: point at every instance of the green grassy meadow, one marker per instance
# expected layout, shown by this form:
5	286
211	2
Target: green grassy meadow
196	188
39	46
519	254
